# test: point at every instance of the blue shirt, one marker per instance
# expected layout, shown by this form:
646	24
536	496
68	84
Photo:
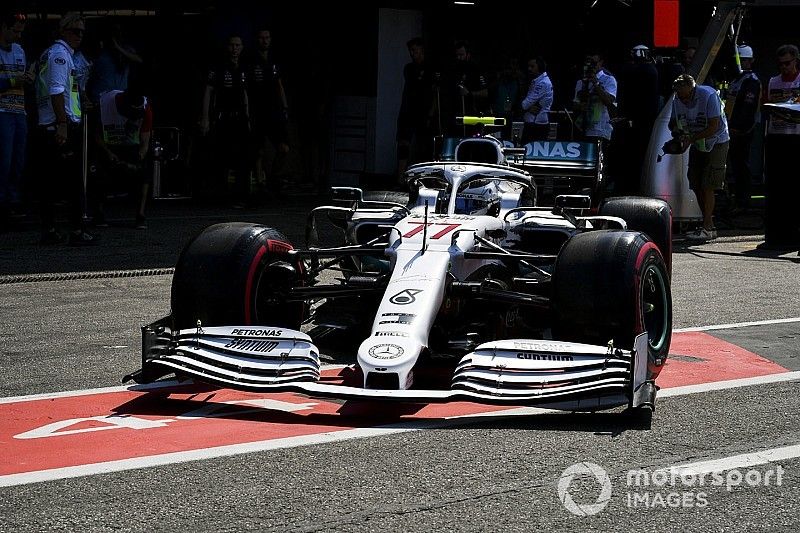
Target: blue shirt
541	93
693	117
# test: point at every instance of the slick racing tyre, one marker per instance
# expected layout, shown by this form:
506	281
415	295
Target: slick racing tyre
236	274
651	216
612	286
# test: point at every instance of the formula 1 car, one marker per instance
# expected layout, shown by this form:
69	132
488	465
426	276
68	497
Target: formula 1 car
463	289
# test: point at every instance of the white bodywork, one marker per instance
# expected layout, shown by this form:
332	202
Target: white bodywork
426	250
416	289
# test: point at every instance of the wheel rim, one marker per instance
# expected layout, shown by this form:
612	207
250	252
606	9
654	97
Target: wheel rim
655	307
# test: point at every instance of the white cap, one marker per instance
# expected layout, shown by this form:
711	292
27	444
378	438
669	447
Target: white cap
745	52
640	51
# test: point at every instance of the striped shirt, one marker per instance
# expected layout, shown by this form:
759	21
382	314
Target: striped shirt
12	66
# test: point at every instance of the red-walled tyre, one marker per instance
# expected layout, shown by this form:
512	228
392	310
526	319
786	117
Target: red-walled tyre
651	216
236	274
613	285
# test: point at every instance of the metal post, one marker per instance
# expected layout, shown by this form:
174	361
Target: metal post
84	166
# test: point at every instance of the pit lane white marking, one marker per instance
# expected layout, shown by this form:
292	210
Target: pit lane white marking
59	429
729	384
119	388
335	436
86	392
744	460
738	325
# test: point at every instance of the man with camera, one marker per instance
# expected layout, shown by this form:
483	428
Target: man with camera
698	123
595	100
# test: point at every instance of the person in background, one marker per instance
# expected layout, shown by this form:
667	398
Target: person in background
60	118
698	122
112	69
464	90
537	102
782	144
269	112
14	75
507	92
226	114
595	100
414	134
741	109
122	136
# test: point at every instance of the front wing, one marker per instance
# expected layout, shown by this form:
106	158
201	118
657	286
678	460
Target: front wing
551	374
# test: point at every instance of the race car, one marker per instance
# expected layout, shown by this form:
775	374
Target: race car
462	289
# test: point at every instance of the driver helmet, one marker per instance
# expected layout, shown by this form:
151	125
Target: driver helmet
477	200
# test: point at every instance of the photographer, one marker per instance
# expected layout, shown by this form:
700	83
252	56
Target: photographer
698	123
595	100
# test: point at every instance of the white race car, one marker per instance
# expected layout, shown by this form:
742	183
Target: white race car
467	290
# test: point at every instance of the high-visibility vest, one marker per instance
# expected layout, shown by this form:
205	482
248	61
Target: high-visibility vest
117	129
73	103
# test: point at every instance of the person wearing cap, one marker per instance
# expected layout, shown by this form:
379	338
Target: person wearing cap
60	118
698	122
122	136
741	110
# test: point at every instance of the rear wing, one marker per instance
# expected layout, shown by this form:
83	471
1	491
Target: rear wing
558	158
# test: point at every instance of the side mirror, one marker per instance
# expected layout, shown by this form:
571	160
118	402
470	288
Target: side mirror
573	201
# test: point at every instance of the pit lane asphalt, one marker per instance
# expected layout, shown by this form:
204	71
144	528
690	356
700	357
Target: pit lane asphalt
488	475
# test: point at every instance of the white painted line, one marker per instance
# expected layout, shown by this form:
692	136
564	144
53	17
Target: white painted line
119	388
744	460
729	384
238	449
738	325
335	436
86	392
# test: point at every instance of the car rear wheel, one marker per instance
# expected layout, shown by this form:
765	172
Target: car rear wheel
651	216
236	274
613	286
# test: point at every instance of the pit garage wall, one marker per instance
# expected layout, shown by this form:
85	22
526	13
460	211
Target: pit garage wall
363	149
395	28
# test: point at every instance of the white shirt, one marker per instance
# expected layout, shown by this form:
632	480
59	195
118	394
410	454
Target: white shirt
540	92
705	104
59	73
782	91
597	120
